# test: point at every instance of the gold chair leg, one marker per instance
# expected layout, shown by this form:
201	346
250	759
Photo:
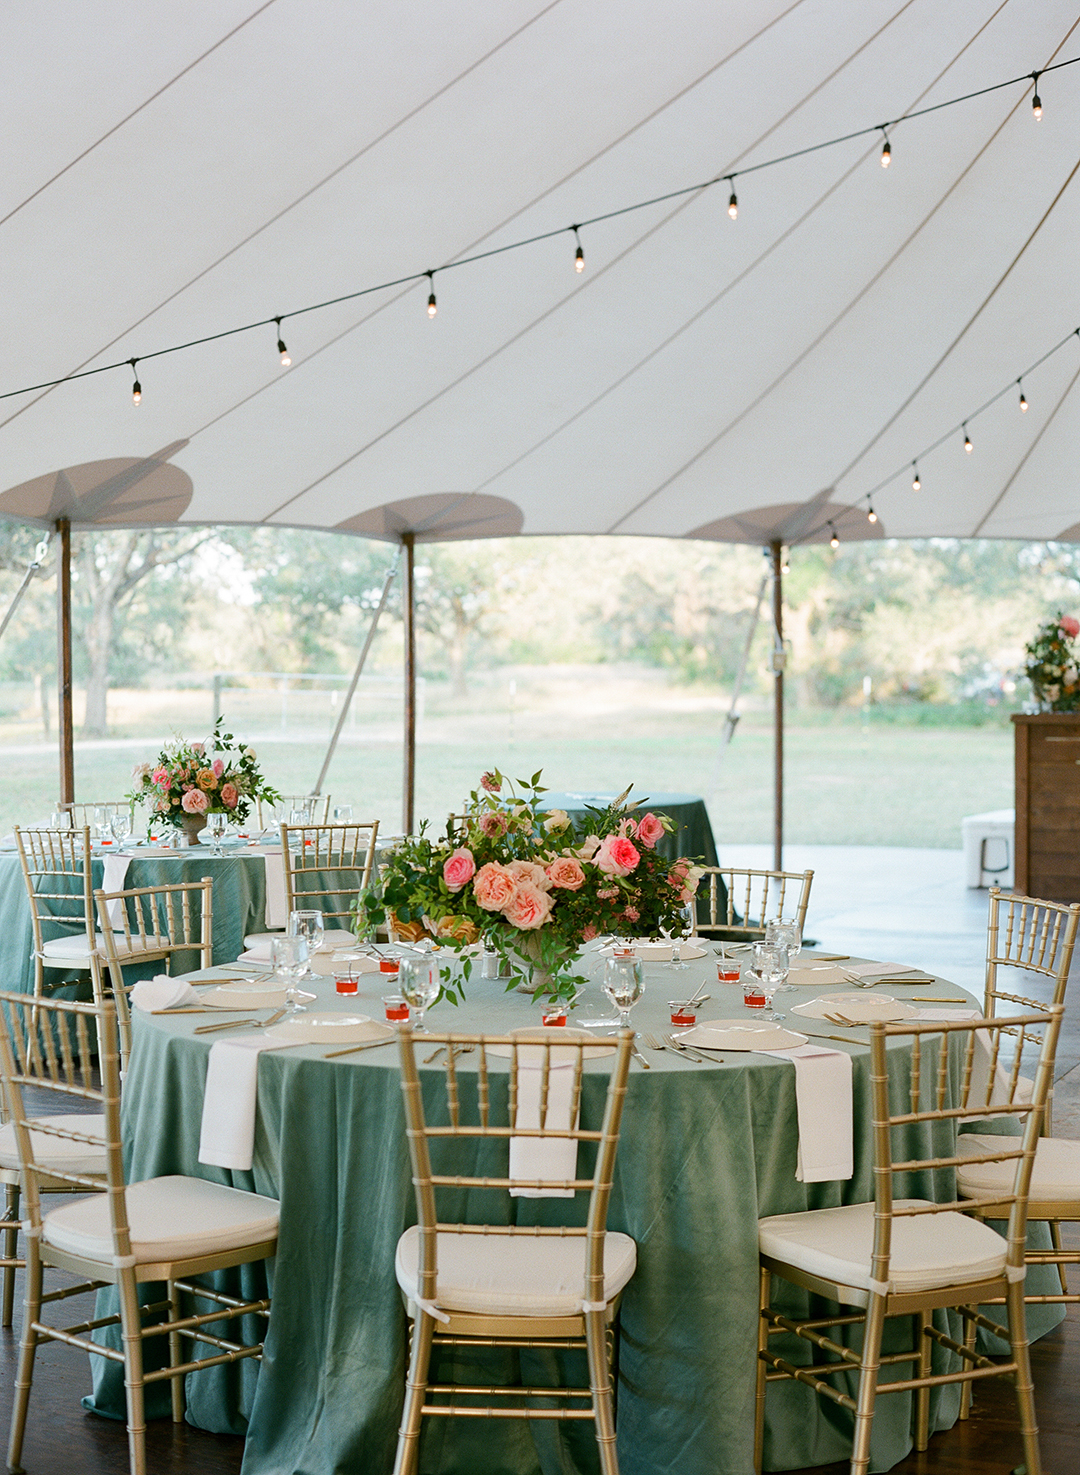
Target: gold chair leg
28	1347
408	1446
600	1385
176	1385
11	1245
967	1389
869	1368
131	1337
765	1286
1055	1240
922	1395
1025	1391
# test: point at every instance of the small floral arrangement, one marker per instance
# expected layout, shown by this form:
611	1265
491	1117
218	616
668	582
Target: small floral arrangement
218	776
1053	667
530	884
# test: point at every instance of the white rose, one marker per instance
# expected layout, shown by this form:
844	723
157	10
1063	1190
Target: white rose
557	819
249	753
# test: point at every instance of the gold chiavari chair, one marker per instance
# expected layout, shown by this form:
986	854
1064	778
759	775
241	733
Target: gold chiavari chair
84	1158
903	1255
315	806
79	814
739	902
1029	940
509	1285
326	866
163	1229
56	867
153	922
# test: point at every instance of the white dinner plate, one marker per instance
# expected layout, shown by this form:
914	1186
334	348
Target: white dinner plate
254	996
734	1034
327	1029
862	1006
660	952
558	1033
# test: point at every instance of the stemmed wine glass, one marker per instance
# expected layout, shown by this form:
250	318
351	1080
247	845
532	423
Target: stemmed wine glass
120	825
624	984
342	814
771	966
288	959
685	929
418	984
785	934
308	925
217	823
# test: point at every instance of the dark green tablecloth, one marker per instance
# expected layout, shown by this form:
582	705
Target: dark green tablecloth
705	1151
693	836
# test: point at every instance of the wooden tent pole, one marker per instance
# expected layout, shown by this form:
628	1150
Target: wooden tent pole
408	612
775	549
63	663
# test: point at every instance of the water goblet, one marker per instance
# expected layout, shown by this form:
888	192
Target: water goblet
418	984
785	934
308	925
624	984
101	821
342	814
770	964
217	824
288	959
679	936
120	825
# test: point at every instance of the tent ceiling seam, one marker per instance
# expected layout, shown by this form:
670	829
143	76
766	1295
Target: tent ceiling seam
977	531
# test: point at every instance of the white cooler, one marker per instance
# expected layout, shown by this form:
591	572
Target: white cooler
988	848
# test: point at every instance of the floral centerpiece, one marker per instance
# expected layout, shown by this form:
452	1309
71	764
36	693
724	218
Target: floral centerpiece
191	780
530	884
1053	666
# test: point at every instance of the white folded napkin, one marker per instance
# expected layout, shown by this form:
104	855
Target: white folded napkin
823	1104
277	910
116	869
227	1139
547	1158
162	992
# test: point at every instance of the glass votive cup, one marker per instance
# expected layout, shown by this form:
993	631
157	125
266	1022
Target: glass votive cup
727	971
554	1014
395	1009
389	965
346	981
753	997
682	1013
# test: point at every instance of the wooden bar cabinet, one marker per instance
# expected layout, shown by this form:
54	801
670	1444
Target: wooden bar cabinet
1047	845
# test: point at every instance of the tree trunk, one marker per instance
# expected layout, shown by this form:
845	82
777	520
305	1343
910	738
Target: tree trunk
99	633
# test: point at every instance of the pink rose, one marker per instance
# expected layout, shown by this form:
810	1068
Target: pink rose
1070	625
195	802
566	872
588	933
529	907
493	887
459	869
160	776
197	747
493	824
617	855
649	830
489	782
218	766
528	870
229	795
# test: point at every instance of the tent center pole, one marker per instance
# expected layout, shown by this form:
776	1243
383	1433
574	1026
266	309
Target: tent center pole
63	663
776	553
408	611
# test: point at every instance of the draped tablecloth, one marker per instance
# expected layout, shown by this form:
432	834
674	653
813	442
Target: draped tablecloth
705	1151
693	833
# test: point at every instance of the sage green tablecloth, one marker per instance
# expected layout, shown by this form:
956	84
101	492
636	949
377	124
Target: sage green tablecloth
705	1151
239	903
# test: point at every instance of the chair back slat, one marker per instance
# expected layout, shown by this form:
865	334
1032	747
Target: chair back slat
56	867
328	865
740	901
1032	936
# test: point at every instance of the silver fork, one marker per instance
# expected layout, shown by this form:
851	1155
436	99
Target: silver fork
689	1051
207	1029
655	1044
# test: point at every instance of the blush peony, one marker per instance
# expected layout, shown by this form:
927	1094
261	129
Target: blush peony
617	856
649	830
566	873
218	766
493	886
1070	625
528	870
529	907
195	802
458	869
229	795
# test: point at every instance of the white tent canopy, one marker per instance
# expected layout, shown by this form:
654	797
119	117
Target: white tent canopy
184	170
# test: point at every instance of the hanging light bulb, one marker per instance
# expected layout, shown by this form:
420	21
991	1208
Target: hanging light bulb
1023	397
967	441
579	254
871	516
1036	100
834	541
282	350
886	152
432	308
733	203
136	388
785	567
916	481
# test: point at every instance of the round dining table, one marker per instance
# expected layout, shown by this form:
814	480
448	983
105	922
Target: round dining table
705	1150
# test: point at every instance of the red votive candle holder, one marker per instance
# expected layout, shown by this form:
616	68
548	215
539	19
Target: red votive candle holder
397	1010
389	965
753	998
683	1014
347	983
554	1014
727	971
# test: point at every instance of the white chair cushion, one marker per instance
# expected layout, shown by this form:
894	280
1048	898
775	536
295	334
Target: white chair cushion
170	1218
504	1275
333	937
1055	1176
57	1154
70	949
837	1244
